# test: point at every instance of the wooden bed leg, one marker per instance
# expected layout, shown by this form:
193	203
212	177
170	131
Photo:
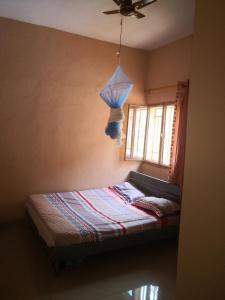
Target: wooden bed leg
58	267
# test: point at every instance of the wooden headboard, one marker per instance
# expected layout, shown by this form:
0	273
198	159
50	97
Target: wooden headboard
154	186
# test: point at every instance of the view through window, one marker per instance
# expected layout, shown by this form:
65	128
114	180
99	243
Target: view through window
149	133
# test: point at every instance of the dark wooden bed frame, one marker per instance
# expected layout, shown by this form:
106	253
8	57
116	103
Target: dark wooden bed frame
62	257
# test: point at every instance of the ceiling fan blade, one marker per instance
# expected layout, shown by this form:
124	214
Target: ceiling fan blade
111	12
138	15
118	2
143	3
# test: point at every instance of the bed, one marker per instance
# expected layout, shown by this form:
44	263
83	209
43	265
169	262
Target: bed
77	224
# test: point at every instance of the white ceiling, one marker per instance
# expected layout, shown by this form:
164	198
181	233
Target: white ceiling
165	21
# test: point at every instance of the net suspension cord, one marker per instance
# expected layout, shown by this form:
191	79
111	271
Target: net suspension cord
120	44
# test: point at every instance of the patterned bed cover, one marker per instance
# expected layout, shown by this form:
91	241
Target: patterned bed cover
71	218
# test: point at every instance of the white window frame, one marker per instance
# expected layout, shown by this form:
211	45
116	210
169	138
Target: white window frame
131	157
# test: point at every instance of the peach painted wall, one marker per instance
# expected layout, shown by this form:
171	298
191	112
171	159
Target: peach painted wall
166	66
170	63
201	259
52	119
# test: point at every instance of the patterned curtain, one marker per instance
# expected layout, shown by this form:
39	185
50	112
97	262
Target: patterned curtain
176	171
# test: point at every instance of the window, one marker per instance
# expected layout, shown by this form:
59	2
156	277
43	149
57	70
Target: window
149	133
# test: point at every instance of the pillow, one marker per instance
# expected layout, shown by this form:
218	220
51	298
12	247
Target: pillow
160	206
128	191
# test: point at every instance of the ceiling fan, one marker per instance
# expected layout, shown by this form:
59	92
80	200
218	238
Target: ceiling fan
127	8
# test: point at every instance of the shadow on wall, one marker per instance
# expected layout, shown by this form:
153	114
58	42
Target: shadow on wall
153	170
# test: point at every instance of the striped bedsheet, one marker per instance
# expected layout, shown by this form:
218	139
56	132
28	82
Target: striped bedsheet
89	216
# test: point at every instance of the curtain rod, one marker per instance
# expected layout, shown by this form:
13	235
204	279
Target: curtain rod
160	87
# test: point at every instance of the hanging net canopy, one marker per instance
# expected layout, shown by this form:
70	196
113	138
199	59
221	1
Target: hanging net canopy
115	94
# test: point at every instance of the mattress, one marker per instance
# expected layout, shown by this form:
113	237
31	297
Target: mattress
94	215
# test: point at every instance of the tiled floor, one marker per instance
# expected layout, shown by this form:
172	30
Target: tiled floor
146	273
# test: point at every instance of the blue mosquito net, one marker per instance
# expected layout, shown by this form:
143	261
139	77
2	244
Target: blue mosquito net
115	94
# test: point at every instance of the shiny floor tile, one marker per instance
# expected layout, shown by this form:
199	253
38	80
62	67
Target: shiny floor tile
145	292
139	273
